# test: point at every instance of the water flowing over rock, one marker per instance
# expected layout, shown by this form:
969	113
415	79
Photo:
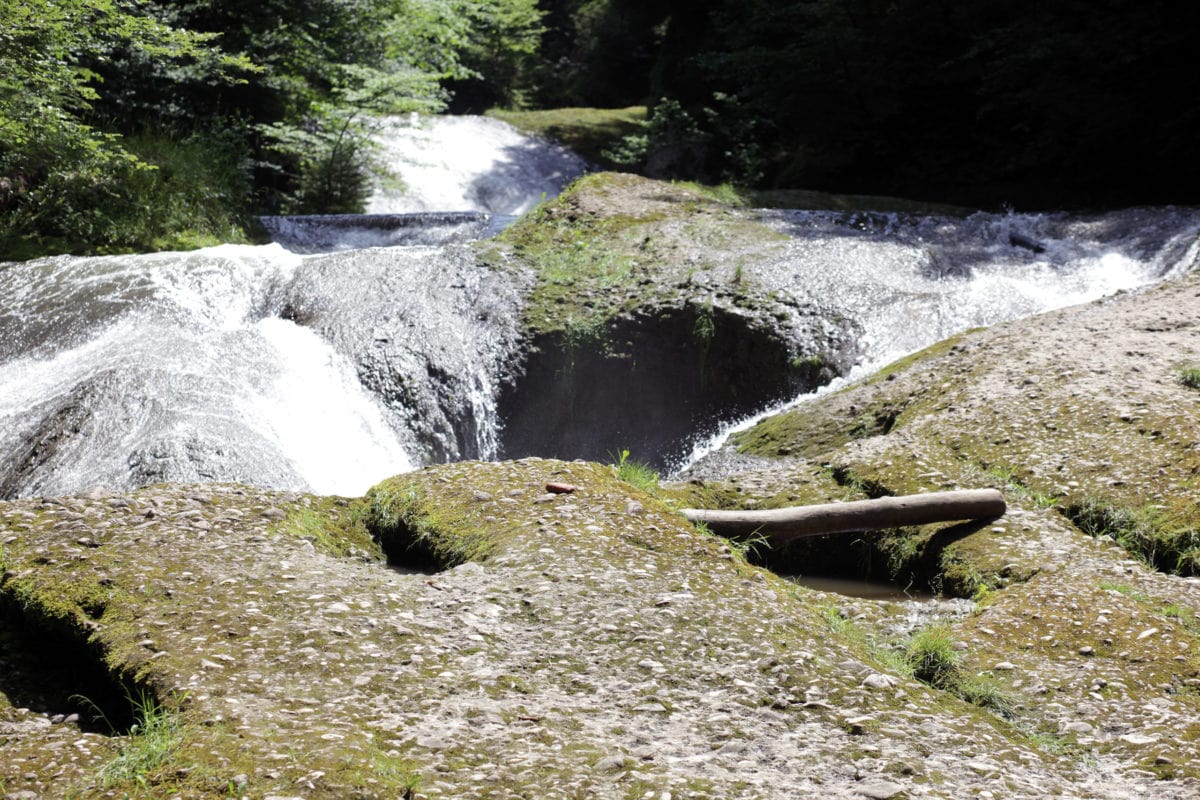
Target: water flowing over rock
454	163
332	370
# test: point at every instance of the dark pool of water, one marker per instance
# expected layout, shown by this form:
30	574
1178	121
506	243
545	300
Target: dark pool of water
864	589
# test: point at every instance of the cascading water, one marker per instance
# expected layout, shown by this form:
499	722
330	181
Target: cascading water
445	163
910	281
331	370
326	371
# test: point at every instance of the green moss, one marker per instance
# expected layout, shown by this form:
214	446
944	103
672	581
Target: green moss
591	132
810	431
425	530
1163	541
613	243
334	525
921	358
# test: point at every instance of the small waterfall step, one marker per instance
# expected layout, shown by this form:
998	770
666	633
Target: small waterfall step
322	233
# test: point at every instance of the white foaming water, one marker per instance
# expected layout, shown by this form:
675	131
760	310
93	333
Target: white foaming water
468	163
910	282
320	417
171	361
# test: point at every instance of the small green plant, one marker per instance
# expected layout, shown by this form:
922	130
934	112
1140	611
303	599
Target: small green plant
1181	614
1190	377
932	658
635	473
1123	589
834	620
704	328
747	547
152	741
979	691
1054	743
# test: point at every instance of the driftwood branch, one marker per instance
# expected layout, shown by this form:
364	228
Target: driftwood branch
783	524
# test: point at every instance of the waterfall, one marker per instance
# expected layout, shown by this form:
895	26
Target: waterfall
453	163
325	362
912	280
329	361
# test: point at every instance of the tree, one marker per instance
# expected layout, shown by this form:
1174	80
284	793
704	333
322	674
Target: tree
49	148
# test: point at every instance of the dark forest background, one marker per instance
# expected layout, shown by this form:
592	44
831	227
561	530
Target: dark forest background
171	122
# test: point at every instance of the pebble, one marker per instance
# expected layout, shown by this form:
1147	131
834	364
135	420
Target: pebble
879	790
1139	739
877	680
610	765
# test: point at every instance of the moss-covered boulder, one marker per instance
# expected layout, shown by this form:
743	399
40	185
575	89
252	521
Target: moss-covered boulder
1086	613
582	644
649	321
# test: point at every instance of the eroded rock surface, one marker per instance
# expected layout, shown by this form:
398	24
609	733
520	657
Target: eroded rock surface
584	646
1082	418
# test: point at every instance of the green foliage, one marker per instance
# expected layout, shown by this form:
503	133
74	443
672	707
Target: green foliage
635	473
1190	377
979	102
932	658
1146	532
151	743
279	92
504	37
177	195
60	175
598	52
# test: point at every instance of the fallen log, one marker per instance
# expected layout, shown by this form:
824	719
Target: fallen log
783	524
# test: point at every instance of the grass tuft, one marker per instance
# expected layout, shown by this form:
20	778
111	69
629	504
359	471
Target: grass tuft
1146	531
635	473
932	658
152	741
1190	377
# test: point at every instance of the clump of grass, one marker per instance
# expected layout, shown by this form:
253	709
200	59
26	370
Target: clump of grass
152	741
1123	589
749	547
1145	531
1190	377
635	473
933	659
